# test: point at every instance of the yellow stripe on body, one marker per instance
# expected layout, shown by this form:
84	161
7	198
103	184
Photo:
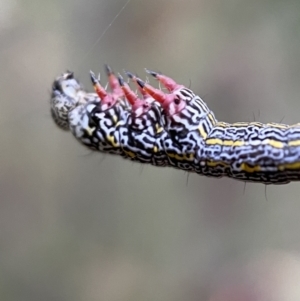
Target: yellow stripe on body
223	124
202	132
277	125
111	139
273	143
246	167
217	141
115	119
293	166
212	119
186	157
216	163
294	143
118	123
158	128
294	126
246	124
129	153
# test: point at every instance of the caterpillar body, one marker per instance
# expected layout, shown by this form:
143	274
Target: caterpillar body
174	129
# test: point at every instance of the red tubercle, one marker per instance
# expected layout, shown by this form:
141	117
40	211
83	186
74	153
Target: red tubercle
133	77
157	94
129	94
168	82
115	87
171	103
113	82
139	106
101	92
107	99
167	101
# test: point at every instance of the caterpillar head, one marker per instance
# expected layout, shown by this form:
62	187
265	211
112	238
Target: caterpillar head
65	96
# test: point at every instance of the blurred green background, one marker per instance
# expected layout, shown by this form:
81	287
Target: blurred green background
76	225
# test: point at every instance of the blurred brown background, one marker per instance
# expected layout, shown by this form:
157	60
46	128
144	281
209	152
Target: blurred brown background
76	225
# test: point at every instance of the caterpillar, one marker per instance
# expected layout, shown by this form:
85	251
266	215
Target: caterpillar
175	129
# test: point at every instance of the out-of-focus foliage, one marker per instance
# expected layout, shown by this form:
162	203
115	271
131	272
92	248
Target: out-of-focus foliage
82	226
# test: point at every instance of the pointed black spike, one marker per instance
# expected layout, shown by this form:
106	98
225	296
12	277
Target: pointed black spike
153	73
93	77
121	80
129	74
108	70
140	82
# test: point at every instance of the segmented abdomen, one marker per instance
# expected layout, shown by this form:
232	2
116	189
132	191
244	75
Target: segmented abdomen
174	129
268	153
